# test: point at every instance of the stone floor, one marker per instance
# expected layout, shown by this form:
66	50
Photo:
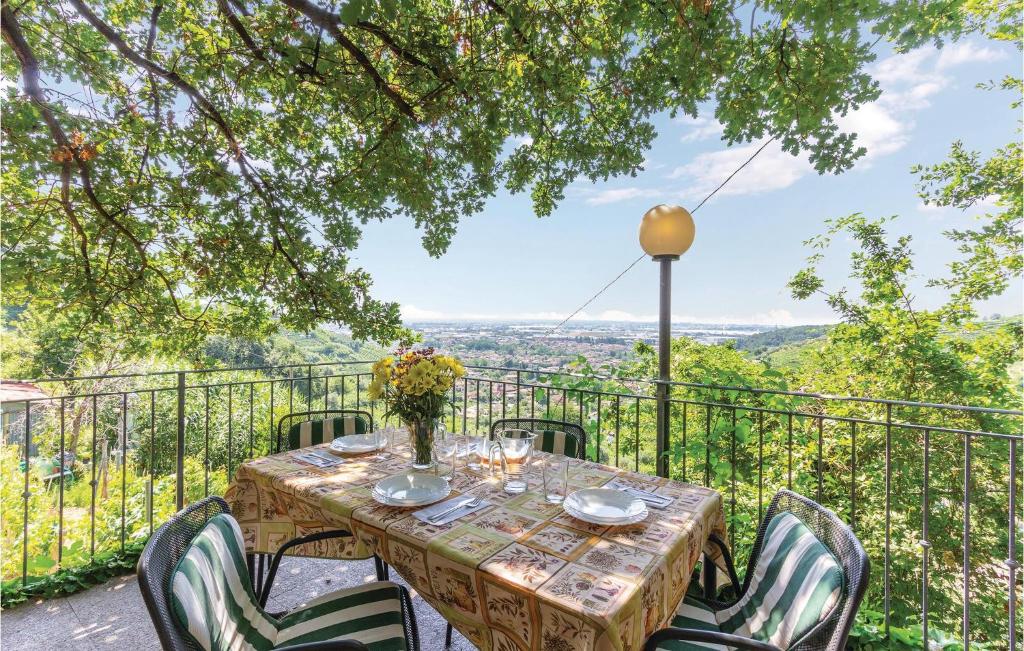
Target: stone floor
113	615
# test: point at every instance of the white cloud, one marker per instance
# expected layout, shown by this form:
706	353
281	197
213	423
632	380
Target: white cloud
700	128
903	68
967	52
908	81
773	169
520	141
620	194
878	129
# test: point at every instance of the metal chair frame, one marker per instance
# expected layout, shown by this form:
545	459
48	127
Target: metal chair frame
311	416
534	424
831	633
172	540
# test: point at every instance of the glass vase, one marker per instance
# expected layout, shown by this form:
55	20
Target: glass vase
421	432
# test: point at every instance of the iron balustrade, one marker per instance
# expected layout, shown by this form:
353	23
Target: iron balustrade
187	427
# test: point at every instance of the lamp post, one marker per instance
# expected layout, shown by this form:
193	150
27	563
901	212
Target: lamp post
666	232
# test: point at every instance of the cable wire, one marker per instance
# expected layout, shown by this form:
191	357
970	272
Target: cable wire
644	255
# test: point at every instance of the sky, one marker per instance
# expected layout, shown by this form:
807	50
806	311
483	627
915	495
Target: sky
505	263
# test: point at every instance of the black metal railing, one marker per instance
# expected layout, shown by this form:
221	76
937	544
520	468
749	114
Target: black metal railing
105	459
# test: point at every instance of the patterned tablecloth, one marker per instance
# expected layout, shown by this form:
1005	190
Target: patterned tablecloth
521	574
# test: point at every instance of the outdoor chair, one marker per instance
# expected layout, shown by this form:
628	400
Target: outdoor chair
555	436
306	428
196	587
804	582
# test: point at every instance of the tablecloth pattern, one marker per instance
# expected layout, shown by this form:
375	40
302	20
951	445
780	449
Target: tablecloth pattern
521	574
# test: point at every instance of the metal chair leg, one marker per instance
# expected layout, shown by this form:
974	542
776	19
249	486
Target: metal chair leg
381	567
448	636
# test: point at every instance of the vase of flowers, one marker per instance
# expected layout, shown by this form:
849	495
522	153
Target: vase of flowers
415	385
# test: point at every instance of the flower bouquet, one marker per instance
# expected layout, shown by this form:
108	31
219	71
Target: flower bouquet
414	384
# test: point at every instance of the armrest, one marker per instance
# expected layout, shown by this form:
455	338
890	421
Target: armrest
730	566
328	645
301	540
713	637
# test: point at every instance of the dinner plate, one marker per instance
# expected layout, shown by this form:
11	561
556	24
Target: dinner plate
605	506
639	517
411	489
358	443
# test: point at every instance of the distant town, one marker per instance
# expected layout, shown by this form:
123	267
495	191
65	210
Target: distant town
539	344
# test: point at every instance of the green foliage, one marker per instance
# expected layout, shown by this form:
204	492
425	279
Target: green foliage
761	343
68	581
189	171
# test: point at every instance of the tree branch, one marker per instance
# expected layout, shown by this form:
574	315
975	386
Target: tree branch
240	29
329	21
30	74
210	110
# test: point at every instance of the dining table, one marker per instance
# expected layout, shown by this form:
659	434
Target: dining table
519	572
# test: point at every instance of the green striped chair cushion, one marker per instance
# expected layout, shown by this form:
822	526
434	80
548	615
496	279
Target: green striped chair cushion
370	613
693	614
557	442
797	582
315	432
213	600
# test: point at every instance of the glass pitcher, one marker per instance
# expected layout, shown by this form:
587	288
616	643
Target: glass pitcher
515	449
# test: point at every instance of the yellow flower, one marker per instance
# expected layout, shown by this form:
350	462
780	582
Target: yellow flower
376	390
383	369
416	380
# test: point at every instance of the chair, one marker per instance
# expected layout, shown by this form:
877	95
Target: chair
555	436
804	582
197	590
317	428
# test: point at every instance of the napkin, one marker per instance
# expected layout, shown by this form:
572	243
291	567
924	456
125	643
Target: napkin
320	459
652	500
423	514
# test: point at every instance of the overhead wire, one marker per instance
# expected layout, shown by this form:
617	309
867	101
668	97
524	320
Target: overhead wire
644	255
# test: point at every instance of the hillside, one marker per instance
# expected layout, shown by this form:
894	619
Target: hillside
290	347
768	341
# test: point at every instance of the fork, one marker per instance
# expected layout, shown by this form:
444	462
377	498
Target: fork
473	503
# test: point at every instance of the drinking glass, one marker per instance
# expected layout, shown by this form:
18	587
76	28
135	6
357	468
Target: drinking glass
476	448
555	469
446	455
515	447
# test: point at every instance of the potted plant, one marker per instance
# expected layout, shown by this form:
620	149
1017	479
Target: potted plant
415	384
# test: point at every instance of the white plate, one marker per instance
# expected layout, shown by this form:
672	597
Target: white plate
411	489
639	517
605	506
358	443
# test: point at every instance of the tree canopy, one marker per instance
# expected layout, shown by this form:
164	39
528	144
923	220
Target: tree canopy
188	167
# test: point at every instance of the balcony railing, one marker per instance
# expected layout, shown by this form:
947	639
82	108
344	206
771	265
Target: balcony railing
931	489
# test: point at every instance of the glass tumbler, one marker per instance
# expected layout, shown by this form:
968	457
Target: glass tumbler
446	455
555	469
475	449
515	448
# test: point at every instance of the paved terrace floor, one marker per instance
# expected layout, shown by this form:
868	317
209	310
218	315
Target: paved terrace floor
113	615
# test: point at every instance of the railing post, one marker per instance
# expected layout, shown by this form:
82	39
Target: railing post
179	498
519	381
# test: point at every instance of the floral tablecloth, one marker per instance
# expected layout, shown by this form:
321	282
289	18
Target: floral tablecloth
521	574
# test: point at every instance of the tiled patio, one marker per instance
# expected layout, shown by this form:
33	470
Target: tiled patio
113	616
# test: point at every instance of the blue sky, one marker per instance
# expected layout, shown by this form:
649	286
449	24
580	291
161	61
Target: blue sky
505	263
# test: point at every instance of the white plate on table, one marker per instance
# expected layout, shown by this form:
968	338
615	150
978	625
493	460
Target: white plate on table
605	506
411	489
358	443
